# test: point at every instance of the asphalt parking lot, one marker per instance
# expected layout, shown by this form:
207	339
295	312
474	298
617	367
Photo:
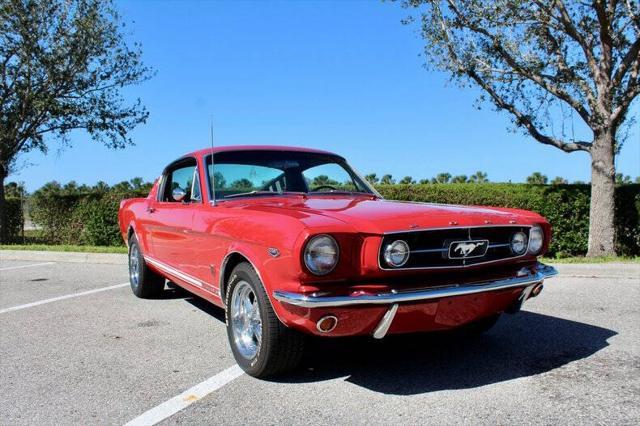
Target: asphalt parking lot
102	356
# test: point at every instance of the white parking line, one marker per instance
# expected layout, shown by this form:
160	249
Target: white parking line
66	296
186	398
8	268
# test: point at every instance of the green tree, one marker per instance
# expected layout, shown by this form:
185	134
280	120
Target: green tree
100	187
387	180
459	179
441	178
242	185
137	183
558	180
407	180
124	186
424	181
324	180
478	177
220	181
637	179
14	190
622	179
537	178
372	178
63	64
543	60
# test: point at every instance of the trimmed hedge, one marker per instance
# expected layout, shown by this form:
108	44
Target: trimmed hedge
13	218
565	206
92	219
79	219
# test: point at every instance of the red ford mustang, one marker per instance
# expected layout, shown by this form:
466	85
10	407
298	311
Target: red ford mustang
293	241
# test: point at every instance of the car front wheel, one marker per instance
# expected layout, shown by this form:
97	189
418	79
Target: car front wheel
261	344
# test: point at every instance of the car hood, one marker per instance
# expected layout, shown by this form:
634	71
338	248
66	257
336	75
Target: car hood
367	215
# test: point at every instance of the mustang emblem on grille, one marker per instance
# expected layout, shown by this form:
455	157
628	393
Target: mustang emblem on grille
464	249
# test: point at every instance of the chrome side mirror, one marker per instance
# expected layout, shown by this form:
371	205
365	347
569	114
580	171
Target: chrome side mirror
178	194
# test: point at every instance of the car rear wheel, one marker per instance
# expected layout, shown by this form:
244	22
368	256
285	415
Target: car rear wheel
261	344
144	282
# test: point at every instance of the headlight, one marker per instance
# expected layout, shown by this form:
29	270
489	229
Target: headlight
519	243
536	239
321	254
396	254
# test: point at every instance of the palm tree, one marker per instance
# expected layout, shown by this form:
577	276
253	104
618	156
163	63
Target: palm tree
443	177
537	178
407	180
101	187
623	179
387	180
478	177
124	186
558	180
137	182
242	184
459	179
372	178
323	180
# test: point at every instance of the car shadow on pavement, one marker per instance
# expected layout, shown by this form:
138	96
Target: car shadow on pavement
205	306
521	345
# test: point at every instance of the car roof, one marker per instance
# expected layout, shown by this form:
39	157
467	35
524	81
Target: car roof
231	148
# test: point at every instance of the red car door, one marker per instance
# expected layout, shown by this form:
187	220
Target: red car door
171	216
209	248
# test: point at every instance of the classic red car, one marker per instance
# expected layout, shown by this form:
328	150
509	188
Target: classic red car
292	241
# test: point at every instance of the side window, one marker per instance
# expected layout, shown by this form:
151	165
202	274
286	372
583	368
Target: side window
195	188
180	177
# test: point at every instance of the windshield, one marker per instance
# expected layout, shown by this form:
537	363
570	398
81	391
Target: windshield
259	173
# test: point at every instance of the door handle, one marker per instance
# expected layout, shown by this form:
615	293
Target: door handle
150	209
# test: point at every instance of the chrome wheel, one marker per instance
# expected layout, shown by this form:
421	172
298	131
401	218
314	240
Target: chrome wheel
134	266
246	323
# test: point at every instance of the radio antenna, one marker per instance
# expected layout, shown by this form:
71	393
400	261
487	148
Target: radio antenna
212	179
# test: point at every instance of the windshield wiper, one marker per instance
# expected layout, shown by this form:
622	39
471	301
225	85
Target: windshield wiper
250	193
260	193
339	193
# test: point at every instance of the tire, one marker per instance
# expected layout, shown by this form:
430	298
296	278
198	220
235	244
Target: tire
261	349
144	282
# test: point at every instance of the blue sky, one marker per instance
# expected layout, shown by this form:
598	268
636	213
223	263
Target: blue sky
345	76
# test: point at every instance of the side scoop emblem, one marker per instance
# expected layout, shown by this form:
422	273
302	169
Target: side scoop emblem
273	252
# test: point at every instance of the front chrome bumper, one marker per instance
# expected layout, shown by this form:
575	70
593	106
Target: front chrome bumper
524	278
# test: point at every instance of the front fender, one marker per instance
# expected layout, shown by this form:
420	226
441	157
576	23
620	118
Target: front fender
271	269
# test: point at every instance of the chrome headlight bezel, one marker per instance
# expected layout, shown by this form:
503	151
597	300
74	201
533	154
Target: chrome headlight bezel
388	253
521	239
320	245
535	244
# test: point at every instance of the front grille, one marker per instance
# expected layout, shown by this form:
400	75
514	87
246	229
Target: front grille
430	248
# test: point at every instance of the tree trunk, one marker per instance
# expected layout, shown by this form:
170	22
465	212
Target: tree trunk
3	228
602	213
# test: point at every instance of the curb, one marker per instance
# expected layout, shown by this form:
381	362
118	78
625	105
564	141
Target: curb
64	256
613	268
